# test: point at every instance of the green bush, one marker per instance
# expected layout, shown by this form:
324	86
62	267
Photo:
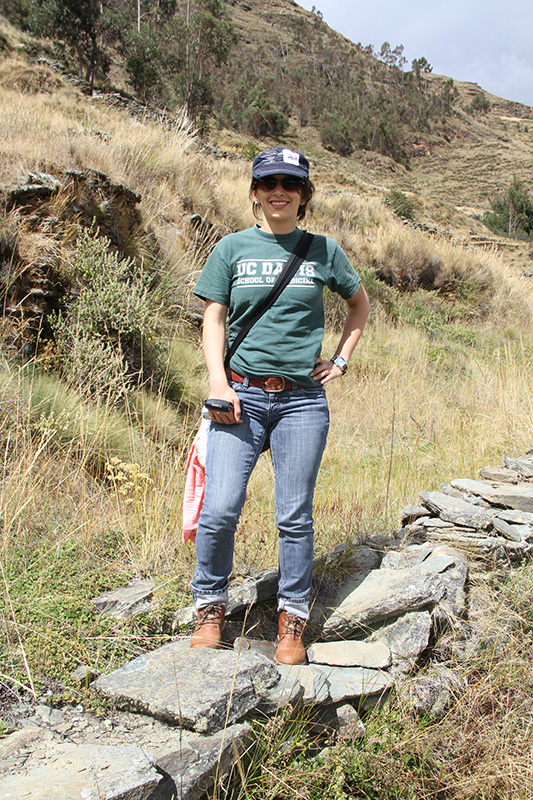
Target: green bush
480	104
512	212
106	316
335	134
402	205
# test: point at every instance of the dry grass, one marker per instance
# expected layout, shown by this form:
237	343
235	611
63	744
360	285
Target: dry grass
91	496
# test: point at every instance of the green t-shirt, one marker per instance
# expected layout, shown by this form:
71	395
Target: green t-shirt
241	271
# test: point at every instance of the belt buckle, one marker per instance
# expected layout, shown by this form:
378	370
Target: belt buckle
279	383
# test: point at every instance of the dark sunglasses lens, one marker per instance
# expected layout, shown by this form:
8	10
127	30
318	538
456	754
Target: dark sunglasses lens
267	184
288	184
291	184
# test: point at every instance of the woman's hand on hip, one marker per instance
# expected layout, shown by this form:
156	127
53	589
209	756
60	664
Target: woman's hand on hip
325	371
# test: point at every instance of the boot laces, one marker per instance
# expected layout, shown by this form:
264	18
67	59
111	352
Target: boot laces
210	614
293	626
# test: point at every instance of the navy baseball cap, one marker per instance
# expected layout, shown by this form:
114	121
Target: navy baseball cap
280	161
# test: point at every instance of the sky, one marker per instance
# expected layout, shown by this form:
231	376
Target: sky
482	41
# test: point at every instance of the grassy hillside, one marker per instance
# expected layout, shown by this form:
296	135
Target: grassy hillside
91	482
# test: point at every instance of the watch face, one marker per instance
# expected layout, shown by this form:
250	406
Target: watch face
341	363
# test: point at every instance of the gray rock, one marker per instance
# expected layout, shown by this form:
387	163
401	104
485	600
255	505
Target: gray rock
383	594
452	566
202	690
433	692
499	475
512	515
453	603
261	646
351	683
89	772
452	509
374	655
470	486
287	692
524	466
519	497
350	724
435	522
476	519
192	770
448	489
406	638
311	678
516	533
413	512
125	601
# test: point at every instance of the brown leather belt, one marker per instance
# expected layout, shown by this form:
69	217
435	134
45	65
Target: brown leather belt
269	383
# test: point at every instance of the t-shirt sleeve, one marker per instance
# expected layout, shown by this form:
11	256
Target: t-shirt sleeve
214	282
344	279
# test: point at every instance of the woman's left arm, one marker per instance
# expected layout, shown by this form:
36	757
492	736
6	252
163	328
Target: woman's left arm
358	307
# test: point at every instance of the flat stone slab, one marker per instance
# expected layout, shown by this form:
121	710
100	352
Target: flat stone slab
202	689
193	768
499	475
471	486
511	496
312	680
126	601
351	683
519	497
524	466
383	594
84	772
374	655
407	637
516	533
455	510
519	517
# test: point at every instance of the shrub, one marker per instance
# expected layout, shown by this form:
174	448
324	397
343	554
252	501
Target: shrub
335	134
108	313
480	104
512	213
402	205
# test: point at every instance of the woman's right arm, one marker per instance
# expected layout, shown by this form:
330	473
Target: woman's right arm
214	338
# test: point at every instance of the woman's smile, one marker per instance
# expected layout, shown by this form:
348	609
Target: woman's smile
280	207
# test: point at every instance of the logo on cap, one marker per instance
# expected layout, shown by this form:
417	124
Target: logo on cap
290	157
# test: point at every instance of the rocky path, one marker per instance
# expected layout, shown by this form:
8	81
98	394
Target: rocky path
182	715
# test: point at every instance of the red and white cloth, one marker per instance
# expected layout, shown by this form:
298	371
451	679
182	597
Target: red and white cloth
193	496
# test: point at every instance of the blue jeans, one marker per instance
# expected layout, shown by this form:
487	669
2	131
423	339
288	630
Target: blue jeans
296	422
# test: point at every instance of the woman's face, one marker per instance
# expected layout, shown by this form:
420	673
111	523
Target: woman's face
280	197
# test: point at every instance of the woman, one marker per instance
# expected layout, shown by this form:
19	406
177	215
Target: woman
275	383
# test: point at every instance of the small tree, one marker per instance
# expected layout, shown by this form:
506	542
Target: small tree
335	134
420	65
480	104
205	36
82	25
512	213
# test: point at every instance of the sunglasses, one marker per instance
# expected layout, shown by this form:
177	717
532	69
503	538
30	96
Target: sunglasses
287	184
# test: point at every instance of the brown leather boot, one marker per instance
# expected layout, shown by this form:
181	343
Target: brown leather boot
208	631
290	648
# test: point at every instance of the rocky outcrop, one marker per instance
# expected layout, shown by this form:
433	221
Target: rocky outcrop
38	216
185	712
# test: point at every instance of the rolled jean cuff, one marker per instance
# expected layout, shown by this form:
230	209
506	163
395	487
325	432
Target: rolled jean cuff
205	598
298	608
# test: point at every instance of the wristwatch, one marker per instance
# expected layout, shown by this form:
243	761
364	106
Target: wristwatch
341	363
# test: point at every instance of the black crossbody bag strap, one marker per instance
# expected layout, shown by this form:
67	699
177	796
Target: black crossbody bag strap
292	265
